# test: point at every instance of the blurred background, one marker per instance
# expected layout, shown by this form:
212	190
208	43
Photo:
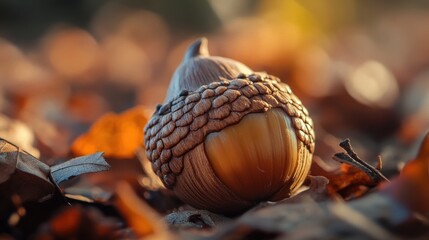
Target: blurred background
361	67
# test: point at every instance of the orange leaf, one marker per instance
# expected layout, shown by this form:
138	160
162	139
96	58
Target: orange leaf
117	135
347	181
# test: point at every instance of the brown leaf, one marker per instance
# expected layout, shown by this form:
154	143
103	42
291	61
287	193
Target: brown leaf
348	176
117	135
370	217
77	166
23	174
29	178
343	179
353	178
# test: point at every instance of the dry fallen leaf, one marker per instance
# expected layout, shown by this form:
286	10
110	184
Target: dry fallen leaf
348	177
353	178
33	180
117	135
23	174
77	166
372	217
345	180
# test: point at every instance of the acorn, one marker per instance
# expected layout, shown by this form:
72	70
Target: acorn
226	137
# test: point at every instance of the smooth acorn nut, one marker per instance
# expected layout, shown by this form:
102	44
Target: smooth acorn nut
228	138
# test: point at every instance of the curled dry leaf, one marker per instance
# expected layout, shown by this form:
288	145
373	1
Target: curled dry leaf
351	158
344	180
32	180
77	166
348	177
353	178
23	174
117	135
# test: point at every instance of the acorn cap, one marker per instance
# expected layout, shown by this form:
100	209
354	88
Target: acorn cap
199	68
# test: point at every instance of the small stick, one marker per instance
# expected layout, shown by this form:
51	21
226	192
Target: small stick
353	159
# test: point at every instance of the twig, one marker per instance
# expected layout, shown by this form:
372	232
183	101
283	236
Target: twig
350	157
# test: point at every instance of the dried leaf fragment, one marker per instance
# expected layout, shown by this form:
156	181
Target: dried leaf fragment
77	166
23	174
31	179
117	135
350	157
354	178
